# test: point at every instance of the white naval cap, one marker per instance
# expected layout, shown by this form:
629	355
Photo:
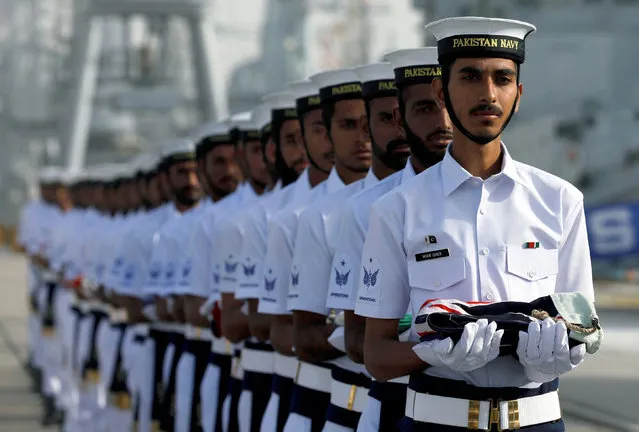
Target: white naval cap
374	72
461	37
281	105
210	129
242	121
378	80
180	146
279	100
50	174
306	94
337	85
181	150
68	178
261	115
414	65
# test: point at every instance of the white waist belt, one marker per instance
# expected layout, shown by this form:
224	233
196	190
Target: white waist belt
286	366
401	380
221	346
118	316
313	377
258	361
169	327
481	415
198	333
237	370
141	329
347	396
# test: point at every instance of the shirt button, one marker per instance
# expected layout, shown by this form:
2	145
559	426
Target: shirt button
489	296
482	210
485	251
437	283
531	274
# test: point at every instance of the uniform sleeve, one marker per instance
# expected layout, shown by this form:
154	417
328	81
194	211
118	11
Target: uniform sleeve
115	265
383	283
135	268
152	284
574	266
251	280
195	267
277	269
312	260
343	282
170	256
230	244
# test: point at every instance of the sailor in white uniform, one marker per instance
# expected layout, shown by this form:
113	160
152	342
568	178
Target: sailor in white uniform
53	300
244	406
251	286
317	338
478	226
218	161
256	356
427	129
179	176
223	184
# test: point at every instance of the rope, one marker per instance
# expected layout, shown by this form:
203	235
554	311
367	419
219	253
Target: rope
578	328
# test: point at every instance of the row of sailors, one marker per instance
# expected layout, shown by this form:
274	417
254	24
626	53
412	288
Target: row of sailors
262	274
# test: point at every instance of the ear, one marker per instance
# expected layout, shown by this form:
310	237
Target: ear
270	151
399	121
438	92
365	126
520	91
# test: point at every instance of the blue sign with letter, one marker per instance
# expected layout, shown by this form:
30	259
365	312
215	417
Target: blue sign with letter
613	230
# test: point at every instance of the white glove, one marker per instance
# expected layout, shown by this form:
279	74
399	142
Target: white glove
208	306
478	345
544	351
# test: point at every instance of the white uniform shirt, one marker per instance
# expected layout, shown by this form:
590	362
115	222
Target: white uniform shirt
154	282
278	270
447	234
113	249
135	248
315	244
228	236
250	283
176	244
345	276
196	275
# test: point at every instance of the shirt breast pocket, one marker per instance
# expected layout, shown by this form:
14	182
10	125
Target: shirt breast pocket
437	275
532	273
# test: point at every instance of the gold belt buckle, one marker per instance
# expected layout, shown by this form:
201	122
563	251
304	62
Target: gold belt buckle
351	398
473	415
513	415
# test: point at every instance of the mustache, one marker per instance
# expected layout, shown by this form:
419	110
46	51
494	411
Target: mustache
394	144
440	133
494	109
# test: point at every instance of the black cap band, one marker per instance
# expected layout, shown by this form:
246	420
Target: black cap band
251	135
177	158
283	114
474	46
307	103
352	90
378	89
266	131
417	74
208	143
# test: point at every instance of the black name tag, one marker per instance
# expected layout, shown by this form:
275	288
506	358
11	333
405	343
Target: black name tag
441	253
